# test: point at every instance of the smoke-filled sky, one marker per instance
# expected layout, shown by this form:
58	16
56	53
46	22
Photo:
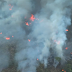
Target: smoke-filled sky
33	26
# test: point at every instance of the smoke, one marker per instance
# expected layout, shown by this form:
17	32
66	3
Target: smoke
33	41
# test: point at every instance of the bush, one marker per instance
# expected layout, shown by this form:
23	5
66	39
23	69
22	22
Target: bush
58	59
68	66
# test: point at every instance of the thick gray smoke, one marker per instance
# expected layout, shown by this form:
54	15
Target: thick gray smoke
46	31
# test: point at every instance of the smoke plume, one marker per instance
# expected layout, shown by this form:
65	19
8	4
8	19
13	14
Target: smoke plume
34	26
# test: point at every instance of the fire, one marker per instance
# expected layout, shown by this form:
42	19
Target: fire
37	59
29	40
66	48
66	29
71	52
62	70
7	38
32	17
12	36
27	23
11	7
57	42
1	33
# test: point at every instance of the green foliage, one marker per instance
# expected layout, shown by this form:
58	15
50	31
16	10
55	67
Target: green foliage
58	58
68	66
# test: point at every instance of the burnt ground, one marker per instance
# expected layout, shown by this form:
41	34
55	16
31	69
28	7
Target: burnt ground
13	68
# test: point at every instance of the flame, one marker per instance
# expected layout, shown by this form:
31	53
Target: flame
1	33
71	52
7	38
62	70
12	36
66	29
27	23
11	7
37	59
66	48
29	40
32	17
57	42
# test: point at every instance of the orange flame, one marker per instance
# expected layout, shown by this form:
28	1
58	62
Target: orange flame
32	17
58	42
66	48
1	33
66	29
29	40
7	38
71	52
27	23
62	70
12	36
11	8
37	59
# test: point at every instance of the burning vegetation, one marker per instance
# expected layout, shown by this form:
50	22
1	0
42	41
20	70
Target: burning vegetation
34	36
